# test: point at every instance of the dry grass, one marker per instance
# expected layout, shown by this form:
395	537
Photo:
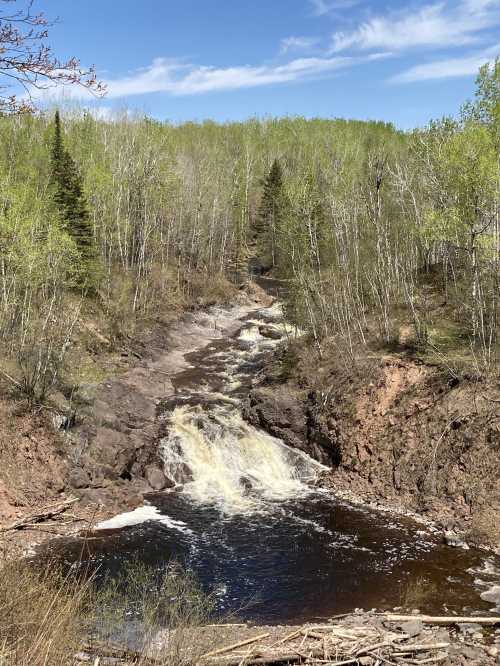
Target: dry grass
42	616
46	618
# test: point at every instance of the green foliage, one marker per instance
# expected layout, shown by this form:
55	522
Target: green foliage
486	107
353	214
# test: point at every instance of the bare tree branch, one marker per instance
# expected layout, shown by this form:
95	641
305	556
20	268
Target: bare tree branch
28	62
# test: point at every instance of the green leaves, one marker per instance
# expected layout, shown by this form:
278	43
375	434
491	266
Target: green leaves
34	248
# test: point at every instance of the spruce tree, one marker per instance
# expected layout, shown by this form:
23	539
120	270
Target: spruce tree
69	197
269	221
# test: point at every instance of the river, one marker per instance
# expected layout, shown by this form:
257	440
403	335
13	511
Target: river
247	518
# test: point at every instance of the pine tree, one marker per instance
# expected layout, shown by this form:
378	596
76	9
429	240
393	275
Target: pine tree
71	203
269	221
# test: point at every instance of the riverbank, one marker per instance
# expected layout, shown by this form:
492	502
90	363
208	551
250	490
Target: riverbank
361	638
102	449
397	434
243	501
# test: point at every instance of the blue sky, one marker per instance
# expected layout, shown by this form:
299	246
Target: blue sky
404	62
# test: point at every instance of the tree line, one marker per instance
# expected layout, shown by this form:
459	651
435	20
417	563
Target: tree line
372	227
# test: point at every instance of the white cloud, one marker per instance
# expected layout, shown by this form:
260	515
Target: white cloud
449	68
178	79
297	44
322	7
438	24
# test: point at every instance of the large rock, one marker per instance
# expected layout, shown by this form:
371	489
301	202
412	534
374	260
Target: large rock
412	627
156	478
78	478
270	332
280	413
296	419
492	595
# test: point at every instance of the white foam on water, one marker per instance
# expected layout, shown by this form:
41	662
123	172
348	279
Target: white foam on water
230	463
492	596
140	515
488	577
250	334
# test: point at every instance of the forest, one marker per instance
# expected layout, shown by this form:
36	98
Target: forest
249	371
381	235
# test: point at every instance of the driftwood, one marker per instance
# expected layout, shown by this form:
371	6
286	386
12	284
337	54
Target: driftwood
29	521
445	620
230	648
338	646
274	658
422	647
329	644
110	653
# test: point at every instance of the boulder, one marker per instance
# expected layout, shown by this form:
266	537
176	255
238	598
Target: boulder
270	332
492	595
155	477
412	627
280	413
296	419
78	478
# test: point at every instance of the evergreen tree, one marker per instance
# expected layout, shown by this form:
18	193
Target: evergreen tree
70	200
270	218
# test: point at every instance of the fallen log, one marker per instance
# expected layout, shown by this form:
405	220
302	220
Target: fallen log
445	620
288	637
34	518
234	646
279	657
313	634
124	655
420	647
432	660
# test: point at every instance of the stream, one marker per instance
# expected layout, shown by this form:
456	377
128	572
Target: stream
247	518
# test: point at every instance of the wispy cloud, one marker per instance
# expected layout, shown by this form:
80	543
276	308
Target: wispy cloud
322	7
448	68
297	44
177	78
439	24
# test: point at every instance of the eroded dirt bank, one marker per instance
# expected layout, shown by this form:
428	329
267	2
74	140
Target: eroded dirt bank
394	431
108	459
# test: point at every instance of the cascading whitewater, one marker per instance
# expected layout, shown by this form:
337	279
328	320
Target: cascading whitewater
273	537
220	459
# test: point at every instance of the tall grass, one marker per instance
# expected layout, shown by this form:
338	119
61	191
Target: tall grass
48	618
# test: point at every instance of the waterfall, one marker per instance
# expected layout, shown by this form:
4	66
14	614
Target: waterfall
222	460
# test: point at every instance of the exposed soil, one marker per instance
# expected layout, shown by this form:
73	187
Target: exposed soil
108	457
394	431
